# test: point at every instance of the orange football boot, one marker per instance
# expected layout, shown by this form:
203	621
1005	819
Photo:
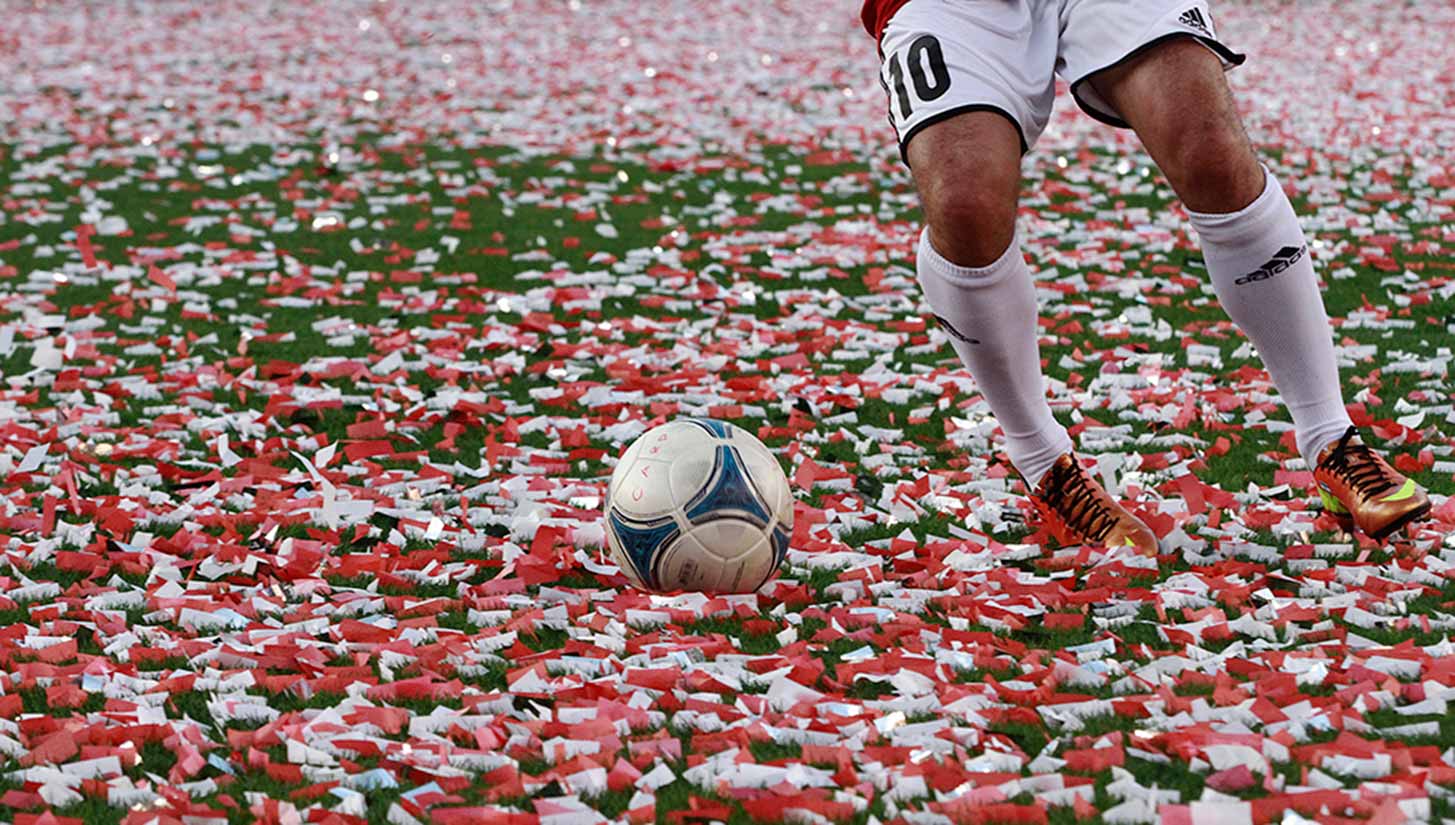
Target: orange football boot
1357	485
1078	510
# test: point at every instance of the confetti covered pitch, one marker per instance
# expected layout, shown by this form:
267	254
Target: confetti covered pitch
321	326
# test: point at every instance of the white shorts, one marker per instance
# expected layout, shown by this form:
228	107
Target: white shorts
946	57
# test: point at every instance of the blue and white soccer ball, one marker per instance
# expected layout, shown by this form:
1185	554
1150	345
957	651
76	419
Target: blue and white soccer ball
698	504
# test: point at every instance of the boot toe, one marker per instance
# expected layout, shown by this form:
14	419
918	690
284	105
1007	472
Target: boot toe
1137	536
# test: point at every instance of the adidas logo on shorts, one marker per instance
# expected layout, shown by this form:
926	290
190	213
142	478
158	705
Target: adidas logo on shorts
1194	19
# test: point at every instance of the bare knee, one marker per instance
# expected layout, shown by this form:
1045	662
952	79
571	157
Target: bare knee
967	170
1211	167
969	225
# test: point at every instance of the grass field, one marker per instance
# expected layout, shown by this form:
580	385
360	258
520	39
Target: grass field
321	327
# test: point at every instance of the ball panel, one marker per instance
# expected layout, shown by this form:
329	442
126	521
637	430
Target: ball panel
687	450
644	491
781	538
631	453
724	555
623	563
715	428
730	492
784	513
692	472
673	437
632	487
686	565
624	462
637	544
747	556
766	475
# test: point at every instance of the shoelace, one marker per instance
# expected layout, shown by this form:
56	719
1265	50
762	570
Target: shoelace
1070	493
1360	466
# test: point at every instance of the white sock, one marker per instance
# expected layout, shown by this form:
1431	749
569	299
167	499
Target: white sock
1264	277
990	315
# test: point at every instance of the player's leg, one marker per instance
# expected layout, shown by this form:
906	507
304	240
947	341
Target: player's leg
966	106
1175	96
969	87
974	276
1165	80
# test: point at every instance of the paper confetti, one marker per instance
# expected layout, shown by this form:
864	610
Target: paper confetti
322	327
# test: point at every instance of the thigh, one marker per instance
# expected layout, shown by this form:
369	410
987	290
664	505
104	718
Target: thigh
1102	35
1175	96
1168	90
943	58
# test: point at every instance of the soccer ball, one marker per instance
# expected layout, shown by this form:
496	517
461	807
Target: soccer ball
698	504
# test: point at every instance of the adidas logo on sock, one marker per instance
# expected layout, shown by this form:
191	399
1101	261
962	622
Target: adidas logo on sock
951	331
1281	260
1193	19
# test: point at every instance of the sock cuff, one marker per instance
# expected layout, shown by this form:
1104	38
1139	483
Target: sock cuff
1323	423
1231	227
1033	454
1008	264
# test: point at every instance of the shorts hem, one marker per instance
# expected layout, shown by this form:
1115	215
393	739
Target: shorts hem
1229	57
960	110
